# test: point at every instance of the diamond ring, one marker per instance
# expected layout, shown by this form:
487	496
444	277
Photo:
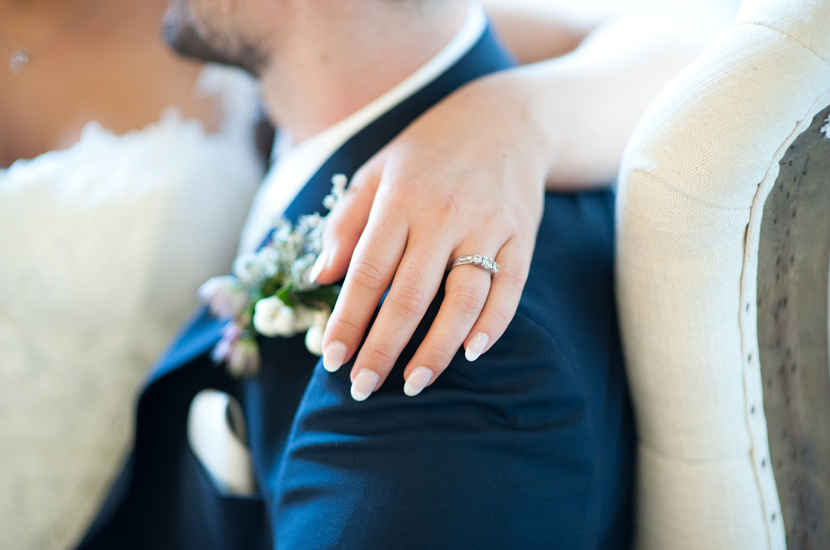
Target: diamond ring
479	261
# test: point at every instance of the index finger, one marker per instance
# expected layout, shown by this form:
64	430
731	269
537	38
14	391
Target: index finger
345	224
373	265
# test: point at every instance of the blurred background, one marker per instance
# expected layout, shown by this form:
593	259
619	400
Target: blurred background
716	15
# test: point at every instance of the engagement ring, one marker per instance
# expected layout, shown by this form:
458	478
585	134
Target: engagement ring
479	261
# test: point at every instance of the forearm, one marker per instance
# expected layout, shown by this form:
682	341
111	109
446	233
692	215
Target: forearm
533	33
584	105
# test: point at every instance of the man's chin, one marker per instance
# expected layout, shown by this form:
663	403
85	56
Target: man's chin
183	37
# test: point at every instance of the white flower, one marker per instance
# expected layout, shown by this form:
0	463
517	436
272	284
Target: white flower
305	318
282	228
314	340
314	335
283	263
273	318
254	268
248	270
338	182
311	228
268	260
321	317
300	271
224	296
308	223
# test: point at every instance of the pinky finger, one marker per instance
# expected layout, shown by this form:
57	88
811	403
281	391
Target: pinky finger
503	300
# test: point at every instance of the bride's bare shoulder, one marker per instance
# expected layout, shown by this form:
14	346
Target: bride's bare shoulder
88	60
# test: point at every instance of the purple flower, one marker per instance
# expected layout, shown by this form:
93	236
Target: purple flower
224	296
244	358
223	350
238	349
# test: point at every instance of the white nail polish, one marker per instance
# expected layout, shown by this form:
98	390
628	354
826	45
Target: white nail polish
417	381
364	384
476	346
334	355
318	267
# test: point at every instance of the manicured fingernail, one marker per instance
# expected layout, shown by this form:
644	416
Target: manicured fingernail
417	381
334	355
364	384
476	346
318	267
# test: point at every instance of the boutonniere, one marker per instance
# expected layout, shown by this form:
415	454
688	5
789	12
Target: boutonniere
269	292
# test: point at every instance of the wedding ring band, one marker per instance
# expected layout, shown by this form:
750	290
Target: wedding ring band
479	261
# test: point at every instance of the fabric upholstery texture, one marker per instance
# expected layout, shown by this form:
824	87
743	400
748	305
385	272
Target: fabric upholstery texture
793	273
692	190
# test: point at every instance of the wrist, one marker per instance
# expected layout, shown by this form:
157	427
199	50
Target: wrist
523	99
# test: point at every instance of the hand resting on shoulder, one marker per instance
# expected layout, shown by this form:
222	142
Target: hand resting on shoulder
468	177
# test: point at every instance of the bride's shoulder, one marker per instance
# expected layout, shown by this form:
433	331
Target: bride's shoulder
126	86
162	150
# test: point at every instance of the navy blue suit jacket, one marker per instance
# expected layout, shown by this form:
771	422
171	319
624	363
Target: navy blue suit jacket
528	447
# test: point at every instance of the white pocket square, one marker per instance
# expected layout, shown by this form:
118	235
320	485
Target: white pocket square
218	445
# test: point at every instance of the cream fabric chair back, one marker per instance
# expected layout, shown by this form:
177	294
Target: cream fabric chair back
710	400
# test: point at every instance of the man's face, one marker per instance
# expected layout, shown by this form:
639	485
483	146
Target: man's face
216	30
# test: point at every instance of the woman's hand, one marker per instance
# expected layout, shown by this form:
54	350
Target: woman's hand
468	177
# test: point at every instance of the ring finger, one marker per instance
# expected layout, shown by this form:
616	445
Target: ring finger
466	292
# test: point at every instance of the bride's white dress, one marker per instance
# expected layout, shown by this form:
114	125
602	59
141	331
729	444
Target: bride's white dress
102	247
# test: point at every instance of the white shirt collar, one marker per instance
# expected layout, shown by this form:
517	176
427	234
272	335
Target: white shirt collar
294	165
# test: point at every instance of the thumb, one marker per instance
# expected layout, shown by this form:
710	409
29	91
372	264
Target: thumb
345	224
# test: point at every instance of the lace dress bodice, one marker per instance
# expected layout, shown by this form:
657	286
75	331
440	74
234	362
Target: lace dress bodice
102	247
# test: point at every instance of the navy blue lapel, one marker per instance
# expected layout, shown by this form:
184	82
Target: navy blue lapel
485	57
199	334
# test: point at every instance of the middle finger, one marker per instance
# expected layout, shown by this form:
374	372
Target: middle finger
415	284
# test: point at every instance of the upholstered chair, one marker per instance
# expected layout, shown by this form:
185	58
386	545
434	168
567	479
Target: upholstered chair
722	265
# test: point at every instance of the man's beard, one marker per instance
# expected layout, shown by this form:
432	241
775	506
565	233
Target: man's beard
183	36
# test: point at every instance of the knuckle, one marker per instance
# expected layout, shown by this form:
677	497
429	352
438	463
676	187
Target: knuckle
340	325
407	301
376	356
438	356
444	210
368	276
366	175
497	317
511	279
405	183
399	196
468	299
359	189
360	178
446	207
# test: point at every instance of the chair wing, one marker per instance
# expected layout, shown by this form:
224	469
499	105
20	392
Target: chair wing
691	212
